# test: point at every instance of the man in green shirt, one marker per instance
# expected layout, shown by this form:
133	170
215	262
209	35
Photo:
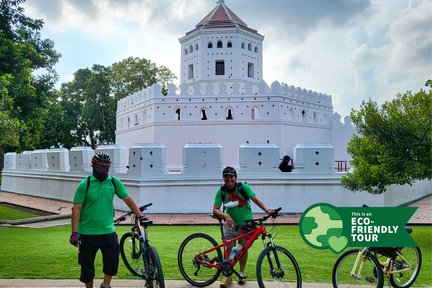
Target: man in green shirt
93	222
235	216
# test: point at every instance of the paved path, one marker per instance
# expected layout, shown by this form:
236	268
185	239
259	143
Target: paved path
129	283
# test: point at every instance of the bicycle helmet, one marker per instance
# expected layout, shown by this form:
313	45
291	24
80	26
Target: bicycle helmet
101	157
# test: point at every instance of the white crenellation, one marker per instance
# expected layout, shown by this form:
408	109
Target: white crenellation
58	159
80	159
10	160
279	102
38	160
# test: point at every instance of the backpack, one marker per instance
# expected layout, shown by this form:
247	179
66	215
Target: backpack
88	183
240	189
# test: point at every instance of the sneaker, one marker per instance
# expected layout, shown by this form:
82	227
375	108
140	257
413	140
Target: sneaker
242	278
226	281
102	286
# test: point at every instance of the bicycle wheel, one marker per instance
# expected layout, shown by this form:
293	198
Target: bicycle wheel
367	272
130	251
155	278
277	265
406	267
193	272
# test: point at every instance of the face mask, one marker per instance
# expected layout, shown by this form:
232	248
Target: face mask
101	172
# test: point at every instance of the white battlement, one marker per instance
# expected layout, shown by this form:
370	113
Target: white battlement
201	178
217	89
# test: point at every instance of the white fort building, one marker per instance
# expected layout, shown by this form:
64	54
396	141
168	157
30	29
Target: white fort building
223	99
175	146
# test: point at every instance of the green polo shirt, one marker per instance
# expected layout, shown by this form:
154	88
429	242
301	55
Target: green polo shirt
238	214
97	211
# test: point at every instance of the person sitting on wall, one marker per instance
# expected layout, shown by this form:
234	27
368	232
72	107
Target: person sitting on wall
285	165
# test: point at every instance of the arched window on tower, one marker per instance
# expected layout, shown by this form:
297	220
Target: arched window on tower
250	47
203	114
210	45
229	115
243	45
128	122
196	47
190	49
254	114
303	115
256	49
136	119
219	44
178	114
229	45
185	52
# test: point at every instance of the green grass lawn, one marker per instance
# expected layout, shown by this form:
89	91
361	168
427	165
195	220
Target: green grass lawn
46	252
7	213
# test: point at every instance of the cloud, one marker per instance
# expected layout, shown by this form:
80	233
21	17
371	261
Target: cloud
351	49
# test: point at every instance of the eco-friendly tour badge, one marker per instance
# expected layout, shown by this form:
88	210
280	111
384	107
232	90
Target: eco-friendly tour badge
324	226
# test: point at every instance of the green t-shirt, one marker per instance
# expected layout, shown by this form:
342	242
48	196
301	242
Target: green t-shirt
97	212
238	214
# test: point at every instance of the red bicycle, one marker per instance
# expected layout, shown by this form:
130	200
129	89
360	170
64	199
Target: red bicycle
201	261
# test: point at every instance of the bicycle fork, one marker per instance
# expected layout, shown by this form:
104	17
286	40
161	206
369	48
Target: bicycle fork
357	273
276	271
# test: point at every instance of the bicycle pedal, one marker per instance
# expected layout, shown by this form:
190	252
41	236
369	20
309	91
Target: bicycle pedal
370	279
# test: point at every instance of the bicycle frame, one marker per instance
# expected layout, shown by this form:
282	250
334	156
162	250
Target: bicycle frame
252	235
387	264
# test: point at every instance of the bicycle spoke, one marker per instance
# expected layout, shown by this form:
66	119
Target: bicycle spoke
406	267
193	268
352	270
279	267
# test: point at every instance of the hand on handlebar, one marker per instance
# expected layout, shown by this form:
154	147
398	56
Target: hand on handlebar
229	221
143	218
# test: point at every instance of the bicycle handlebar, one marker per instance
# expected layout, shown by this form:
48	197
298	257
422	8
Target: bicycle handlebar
124	216
260	220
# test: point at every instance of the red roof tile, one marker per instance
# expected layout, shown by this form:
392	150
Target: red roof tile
222	16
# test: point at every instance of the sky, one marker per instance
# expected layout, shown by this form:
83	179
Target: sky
353	50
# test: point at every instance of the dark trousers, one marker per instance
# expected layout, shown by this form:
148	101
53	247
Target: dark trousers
90	244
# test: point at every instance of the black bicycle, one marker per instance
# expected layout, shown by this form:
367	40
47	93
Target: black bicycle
139	256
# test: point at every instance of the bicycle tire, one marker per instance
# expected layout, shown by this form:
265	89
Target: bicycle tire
406	279
132	256
277	264
372	271
195	274
155	278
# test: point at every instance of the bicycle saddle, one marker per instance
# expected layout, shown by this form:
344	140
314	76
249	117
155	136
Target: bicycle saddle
146	223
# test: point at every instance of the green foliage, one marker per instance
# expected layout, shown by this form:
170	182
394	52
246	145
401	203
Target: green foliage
394	144
134	74
24	95
88	104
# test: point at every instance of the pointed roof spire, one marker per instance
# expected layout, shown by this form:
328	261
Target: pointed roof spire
221	17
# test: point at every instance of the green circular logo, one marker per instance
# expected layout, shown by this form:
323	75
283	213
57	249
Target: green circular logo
321	227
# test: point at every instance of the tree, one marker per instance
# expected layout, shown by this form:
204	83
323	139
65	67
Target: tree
134	74
88	103
394	144
25	97
88	111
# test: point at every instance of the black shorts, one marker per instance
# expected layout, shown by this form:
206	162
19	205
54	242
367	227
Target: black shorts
90	244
